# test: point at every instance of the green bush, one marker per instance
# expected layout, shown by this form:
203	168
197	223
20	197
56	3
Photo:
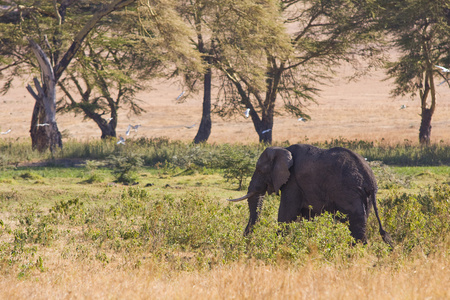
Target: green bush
238	164
195	230
418	220
125	167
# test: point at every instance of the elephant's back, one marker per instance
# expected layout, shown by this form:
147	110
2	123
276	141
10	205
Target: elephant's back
305	151
353	167
338	165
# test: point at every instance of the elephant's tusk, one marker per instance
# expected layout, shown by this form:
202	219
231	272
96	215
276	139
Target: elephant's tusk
242	198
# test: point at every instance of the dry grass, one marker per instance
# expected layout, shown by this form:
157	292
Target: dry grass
356	110
422	278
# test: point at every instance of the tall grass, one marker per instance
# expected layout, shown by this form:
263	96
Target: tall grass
161	151
404	154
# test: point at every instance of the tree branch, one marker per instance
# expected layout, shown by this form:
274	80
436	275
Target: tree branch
79	38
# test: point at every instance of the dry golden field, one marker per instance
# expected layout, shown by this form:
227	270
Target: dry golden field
423	278
355	110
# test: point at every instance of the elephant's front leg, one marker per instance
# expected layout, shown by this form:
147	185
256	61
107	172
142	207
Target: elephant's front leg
290	202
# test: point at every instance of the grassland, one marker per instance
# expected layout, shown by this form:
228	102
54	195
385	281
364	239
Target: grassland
69	229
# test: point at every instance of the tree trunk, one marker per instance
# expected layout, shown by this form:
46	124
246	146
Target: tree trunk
108	131
44	134
204	129
265	133
44	131
425	127
263	126
427	113
108	128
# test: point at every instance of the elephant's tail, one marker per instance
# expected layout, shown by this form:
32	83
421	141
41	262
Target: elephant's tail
385	235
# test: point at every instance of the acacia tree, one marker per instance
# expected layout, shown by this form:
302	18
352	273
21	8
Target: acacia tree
47	27
261	66
112	68
420	31
214	22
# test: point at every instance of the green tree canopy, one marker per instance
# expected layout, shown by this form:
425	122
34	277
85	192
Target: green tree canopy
284	50
219	26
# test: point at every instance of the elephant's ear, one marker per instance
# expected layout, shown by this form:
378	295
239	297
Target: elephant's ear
281	162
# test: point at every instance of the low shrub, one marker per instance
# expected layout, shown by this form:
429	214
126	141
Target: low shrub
418	220
125	167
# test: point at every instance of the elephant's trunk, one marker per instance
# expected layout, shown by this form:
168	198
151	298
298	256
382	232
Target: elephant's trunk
254	205
255	196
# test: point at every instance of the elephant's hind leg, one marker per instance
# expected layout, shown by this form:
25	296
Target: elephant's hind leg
358	224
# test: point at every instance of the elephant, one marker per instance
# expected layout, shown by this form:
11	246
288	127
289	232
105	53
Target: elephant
313	180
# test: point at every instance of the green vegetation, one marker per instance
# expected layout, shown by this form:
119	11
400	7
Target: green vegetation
181	221
162	151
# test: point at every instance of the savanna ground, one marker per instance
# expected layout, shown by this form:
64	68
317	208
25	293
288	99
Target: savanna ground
360	110
68	229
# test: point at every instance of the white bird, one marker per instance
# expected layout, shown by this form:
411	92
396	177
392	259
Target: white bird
121	140
403	106
43	124
266	131
135	127
6	132
247	112
443	69
189	127
180	95
301	119
109	119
